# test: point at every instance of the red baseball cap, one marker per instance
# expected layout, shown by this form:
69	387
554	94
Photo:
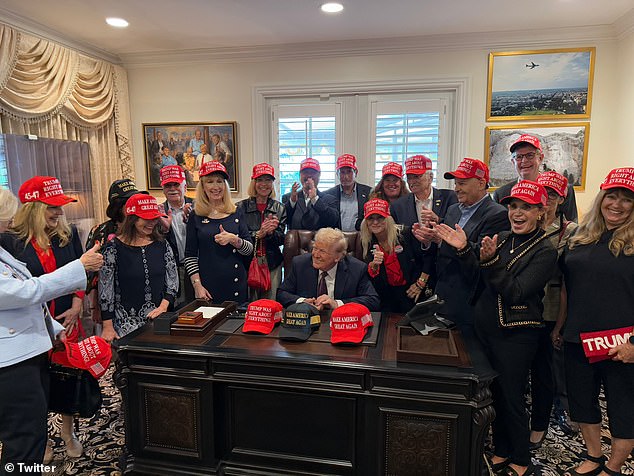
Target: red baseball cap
622	177
526	139
144	206
347	160
392	168
376	206
213	167
92	354
527	191
262	315
262	169
172	174
348	323
469	168
310	163
44	189
417	164
596	345
554	181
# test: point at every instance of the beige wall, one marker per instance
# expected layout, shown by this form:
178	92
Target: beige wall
220	92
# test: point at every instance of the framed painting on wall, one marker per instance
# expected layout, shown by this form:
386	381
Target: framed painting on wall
190	144
565	148
541	84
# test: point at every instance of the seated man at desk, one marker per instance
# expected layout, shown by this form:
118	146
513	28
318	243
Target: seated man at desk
327	277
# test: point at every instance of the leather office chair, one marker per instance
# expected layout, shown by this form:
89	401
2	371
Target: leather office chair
298	242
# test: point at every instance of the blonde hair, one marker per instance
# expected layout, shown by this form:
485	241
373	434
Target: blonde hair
393	233
333	236
593	226
252	193
30	222
8	204
202	206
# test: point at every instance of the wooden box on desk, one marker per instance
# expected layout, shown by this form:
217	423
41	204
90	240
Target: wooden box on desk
192	326
441	347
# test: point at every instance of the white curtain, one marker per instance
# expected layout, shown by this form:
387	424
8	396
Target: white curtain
52	91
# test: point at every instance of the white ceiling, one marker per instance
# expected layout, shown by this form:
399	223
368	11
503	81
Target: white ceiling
177	25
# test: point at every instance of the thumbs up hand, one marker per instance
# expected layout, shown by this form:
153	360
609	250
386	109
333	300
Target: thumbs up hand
92	259
224	238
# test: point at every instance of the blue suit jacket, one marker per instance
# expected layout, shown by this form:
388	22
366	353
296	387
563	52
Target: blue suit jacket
363	192
352	283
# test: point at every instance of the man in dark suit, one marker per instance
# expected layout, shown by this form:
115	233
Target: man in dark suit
479	216
308	208
177	208
527	157
327	278
350	196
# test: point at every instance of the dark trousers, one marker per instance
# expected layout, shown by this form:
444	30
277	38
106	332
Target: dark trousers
511	354
24	411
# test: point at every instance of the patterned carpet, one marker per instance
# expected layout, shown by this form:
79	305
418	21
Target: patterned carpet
103	440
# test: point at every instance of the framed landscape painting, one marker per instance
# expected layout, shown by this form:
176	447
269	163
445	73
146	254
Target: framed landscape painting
189	144
565	148
542	84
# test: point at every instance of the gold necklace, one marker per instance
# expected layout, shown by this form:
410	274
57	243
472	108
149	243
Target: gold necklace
513	247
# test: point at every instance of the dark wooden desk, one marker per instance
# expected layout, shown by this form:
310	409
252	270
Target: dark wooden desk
240	405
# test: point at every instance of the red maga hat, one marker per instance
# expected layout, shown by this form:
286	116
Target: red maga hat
213	167
376	206
527	191
144	206
348	323
554	181
262	315
619	178
526	139
92	354
392	168
310	163
469	168
172	174
596	345
43	189
417	164
262	169
347	160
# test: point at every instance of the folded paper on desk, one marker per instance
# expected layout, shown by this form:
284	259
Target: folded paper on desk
209	311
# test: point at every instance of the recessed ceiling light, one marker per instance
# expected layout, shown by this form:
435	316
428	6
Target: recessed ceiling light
117	22
331	7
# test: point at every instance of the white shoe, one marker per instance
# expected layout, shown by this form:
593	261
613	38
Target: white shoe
48	453
74	449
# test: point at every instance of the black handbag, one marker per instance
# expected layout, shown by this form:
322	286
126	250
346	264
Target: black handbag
73	392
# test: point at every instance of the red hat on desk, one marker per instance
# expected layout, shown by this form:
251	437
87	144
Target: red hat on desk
144	206
619	178
392	168
310	163
299	322
417	164
347	160
348	323
92	354
554	181
172	174
43	189
262	315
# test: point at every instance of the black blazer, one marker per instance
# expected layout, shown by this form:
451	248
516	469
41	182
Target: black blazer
363	192
321	215
456	281
352	283
403	210
170	236
568	208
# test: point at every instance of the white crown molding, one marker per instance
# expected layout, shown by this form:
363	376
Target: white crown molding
624	26
37	29
559	37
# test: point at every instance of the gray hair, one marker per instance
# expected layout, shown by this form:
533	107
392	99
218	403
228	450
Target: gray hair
333	236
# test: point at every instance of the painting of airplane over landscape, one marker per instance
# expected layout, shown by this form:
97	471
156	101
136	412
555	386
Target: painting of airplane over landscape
542	84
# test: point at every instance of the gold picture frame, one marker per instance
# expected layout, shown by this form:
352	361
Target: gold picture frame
540	84
220	139
565	147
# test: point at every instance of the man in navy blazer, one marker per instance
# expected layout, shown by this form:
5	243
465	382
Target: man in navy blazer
350	196
308	208
327	278
479	216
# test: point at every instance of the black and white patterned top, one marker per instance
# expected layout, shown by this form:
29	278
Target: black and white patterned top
133	281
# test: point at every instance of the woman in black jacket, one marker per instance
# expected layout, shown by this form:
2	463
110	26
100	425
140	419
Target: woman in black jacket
266	220
388	249
514	268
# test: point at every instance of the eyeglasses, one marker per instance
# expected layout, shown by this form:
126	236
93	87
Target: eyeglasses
552	196
528	157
